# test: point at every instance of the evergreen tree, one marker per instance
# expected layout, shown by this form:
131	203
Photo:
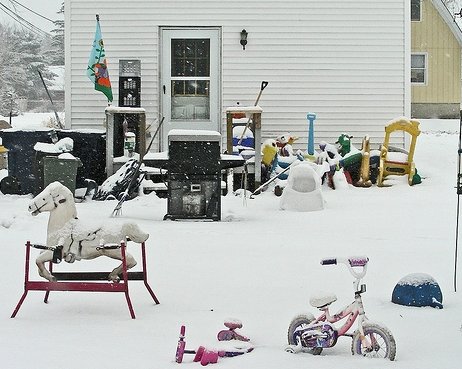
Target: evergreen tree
29	48
12	75
21	57
55	54
8	103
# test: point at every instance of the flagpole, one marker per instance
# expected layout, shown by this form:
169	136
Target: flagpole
459	192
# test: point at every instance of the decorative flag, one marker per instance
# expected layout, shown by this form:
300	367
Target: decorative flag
97	66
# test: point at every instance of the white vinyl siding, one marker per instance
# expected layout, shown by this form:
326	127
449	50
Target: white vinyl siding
343	60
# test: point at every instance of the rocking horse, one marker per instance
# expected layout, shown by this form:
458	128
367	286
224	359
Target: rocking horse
78	240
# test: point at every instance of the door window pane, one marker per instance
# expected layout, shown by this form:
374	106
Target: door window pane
190	79
190	99
190	57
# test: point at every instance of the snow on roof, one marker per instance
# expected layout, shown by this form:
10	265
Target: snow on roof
449	19
193	135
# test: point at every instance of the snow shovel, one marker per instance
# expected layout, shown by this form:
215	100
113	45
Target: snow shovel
262	87
117	210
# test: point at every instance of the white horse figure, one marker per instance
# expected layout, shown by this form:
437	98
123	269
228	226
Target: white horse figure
79	240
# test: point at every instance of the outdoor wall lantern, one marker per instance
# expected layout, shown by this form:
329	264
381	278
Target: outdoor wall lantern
243	38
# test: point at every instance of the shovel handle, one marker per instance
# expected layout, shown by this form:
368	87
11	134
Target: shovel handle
263	85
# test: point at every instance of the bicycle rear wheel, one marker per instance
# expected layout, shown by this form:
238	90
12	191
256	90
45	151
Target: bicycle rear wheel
301	321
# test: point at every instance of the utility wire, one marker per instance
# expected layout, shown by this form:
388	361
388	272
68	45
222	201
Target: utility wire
23	22
16	20
32	11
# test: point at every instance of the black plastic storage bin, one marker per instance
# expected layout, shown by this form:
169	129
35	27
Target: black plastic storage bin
130	83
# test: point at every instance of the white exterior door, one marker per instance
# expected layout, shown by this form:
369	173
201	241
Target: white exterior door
190	79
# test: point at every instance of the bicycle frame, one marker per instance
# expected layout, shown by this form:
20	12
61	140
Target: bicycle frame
309	334
353	311
356	309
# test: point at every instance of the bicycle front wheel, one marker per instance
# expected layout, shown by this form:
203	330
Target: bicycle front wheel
382	343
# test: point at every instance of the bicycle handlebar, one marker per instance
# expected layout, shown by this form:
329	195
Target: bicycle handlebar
351	262
328	261
357	261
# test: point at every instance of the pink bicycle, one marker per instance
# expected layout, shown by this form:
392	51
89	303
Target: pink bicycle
309	334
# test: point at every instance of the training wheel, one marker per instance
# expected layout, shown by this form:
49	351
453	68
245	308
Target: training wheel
293	349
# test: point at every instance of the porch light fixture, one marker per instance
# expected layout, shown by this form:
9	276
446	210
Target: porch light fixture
243	38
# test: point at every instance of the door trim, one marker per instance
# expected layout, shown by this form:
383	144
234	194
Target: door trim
216	81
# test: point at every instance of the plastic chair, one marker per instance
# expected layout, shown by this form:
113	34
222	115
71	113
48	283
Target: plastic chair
398	162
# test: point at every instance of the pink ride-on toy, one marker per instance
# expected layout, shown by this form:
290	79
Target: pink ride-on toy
230	333
205	356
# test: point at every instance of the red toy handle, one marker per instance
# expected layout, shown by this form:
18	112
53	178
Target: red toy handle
181	345
180	352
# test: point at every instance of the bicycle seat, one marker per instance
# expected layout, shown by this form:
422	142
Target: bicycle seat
322	299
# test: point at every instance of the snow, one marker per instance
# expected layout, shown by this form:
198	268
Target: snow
63	145
417	279
242	131
303	190
259	265
66	156
31	121
193	135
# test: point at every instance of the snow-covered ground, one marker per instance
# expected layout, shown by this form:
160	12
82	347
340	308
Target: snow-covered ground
33	120
259	265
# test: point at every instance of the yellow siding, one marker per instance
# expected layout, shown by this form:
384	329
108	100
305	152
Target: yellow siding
433	36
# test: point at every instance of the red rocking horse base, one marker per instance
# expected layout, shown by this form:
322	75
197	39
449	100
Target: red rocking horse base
79	281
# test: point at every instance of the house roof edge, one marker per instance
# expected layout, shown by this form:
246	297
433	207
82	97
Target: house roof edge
449	19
